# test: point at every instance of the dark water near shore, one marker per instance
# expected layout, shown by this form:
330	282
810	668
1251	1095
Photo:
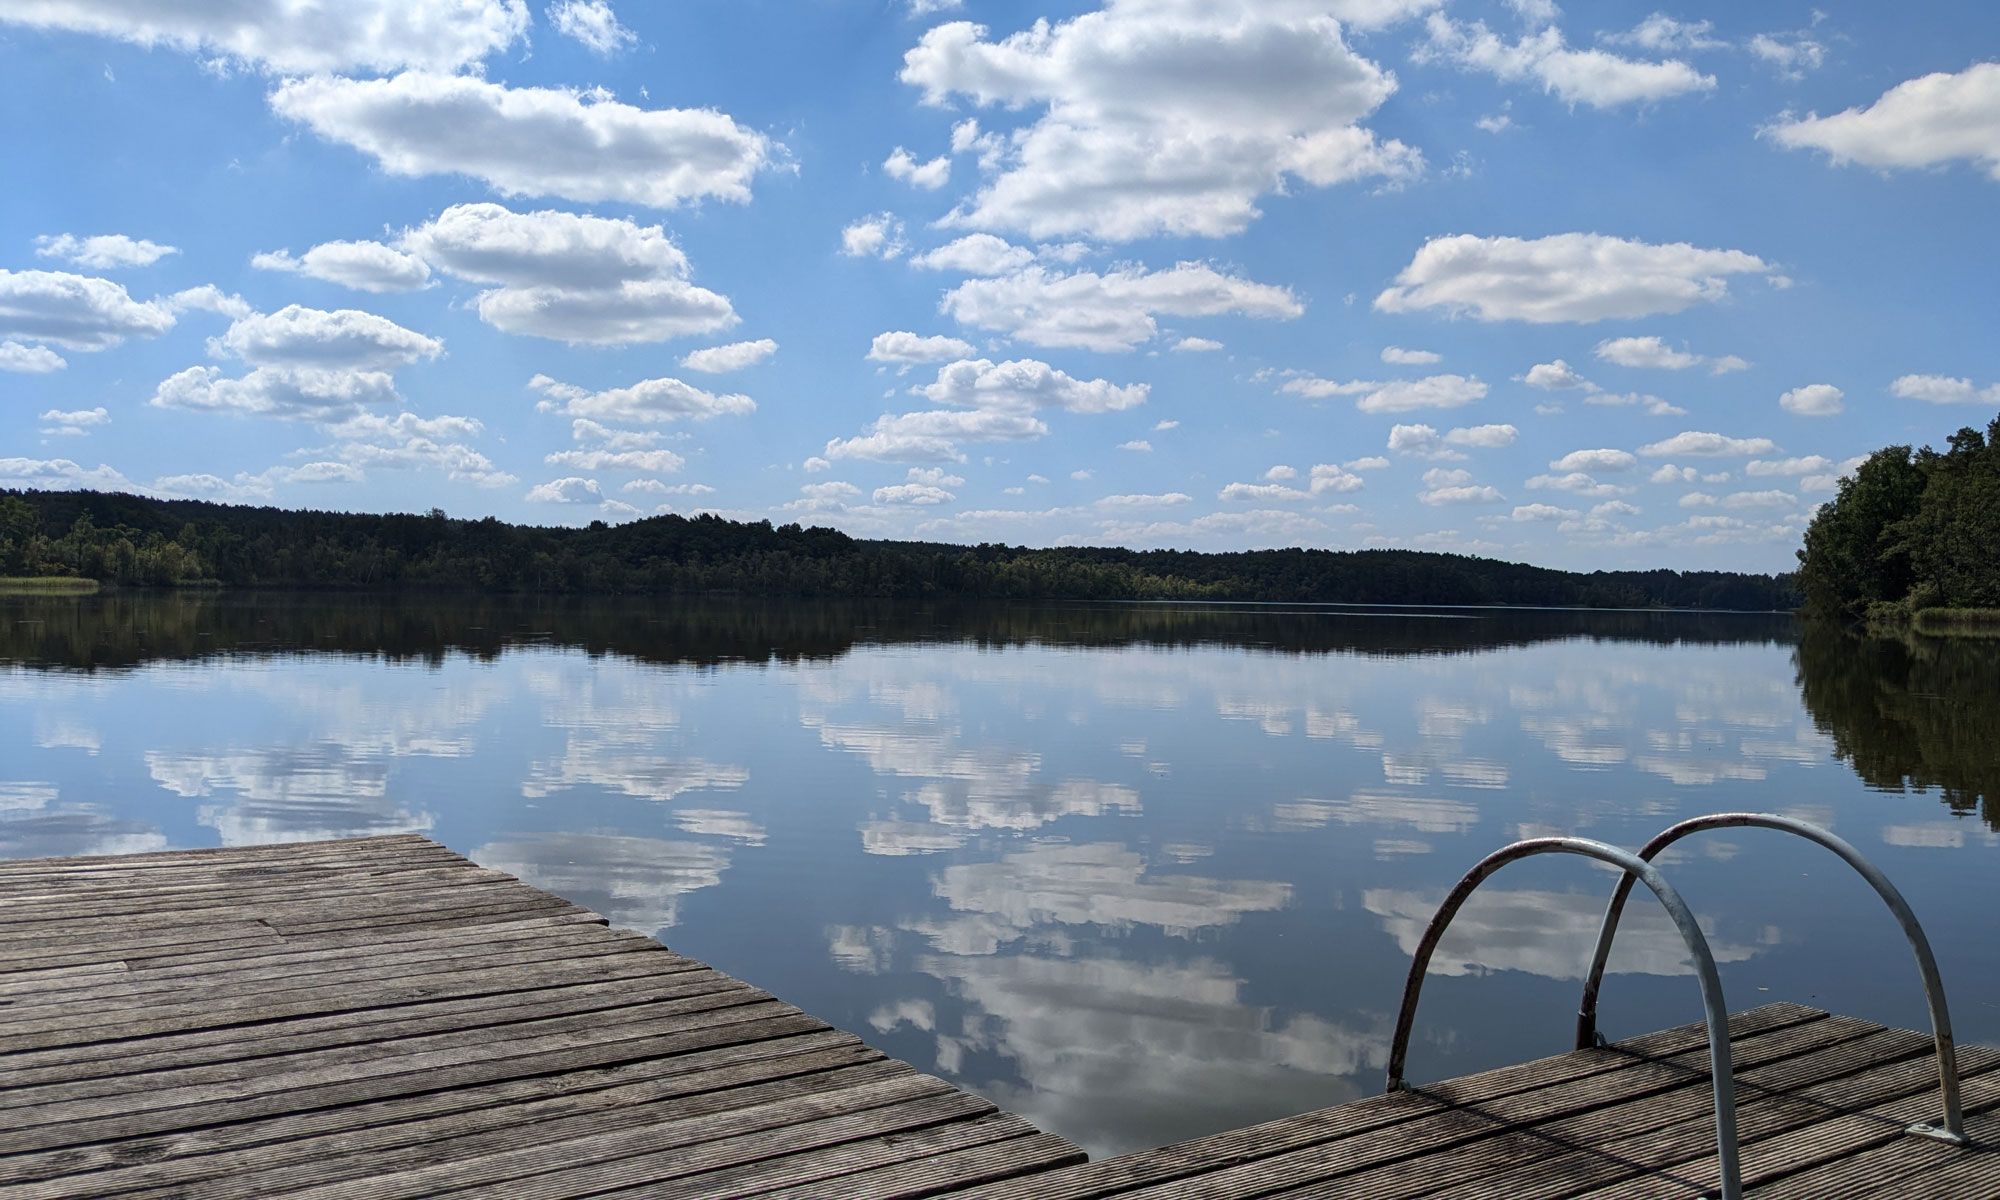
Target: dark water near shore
1136	872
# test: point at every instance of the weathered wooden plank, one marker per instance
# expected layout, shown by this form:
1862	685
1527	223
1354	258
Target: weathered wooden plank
141	906
836	1162
941	1172
671	1149
1231	1149
756	1104
1932	1170
693	1063
276	852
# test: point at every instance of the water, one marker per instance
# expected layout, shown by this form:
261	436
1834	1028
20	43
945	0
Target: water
1137	872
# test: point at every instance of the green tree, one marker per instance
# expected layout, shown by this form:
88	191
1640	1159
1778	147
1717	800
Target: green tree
1953	539
1849	562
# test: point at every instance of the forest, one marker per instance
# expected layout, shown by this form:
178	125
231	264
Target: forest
125	540
1909	532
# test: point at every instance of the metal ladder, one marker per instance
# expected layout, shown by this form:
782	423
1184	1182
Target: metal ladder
1639	868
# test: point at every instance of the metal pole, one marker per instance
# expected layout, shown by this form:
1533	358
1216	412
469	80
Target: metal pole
1953	1129
1716	1011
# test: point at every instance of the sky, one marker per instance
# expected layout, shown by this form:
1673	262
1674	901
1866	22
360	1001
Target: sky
1613	286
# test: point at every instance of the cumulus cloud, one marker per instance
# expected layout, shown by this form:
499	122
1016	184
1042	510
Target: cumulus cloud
365	266
1485	437
1920	122
1594	77
1542	512
1813	400
1654	352
1580	482
1578	277
592	23
1595	460
906	348
930	175
571	278
1138	500
1027	384
78	312
1810	465
919	494
1942	389
1111	311
73	424
1162	118
1302	383
1663	34
1443	486
1435	391
735	356
104	252
581	146
365	35
879	235
1422	441
1707	445
308	364
1654	406
1793	54
1137	446
1555	376
1195	345
934	436
30	359
1412	358
656	461
976	254
61	474
570	490
649	401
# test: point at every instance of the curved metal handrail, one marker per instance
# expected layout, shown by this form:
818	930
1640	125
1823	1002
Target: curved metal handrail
1953	1129
1716	1011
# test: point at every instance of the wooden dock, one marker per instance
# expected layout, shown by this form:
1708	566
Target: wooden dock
381	1018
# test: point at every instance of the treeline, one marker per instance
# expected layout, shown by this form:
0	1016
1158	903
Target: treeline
1910	531
122	539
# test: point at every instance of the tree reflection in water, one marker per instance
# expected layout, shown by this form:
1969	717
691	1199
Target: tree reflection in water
1909	712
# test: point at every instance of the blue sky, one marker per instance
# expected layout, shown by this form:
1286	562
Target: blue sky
1610	286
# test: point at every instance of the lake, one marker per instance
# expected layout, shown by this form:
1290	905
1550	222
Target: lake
1138	872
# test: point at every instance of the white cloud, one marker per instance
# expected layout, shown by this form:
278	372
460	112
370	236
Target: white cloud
1542	512
1300	383
1435	391
1371	463
904	347
879	235
1443	486
921	494
583	429
1113	311
647	401
1662	34
368	35
1163	118
366	266
1655	407
1422	441
1942	389
1645	352
1579	277
286	393
1026	384
79	312
1809	465
1813	400
1327	477
716	360
1164	426
532	141
592	23
1555	376
73	424
934	436
658	462
1708	445
1793	54
571	278
1137	500
33	359
1594	77
571	490
1485	437
1195	345
1595	460
657	488
104	252
976	254
930	175
1137	445
924	8
1725	363
1282	472
1920	122
343	339
1669	473
60	474
209	298
1579	482
1411	358
1765	499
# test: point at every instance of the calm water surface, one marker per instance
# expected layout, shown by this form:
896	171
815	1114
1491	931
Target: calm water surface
1138	873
